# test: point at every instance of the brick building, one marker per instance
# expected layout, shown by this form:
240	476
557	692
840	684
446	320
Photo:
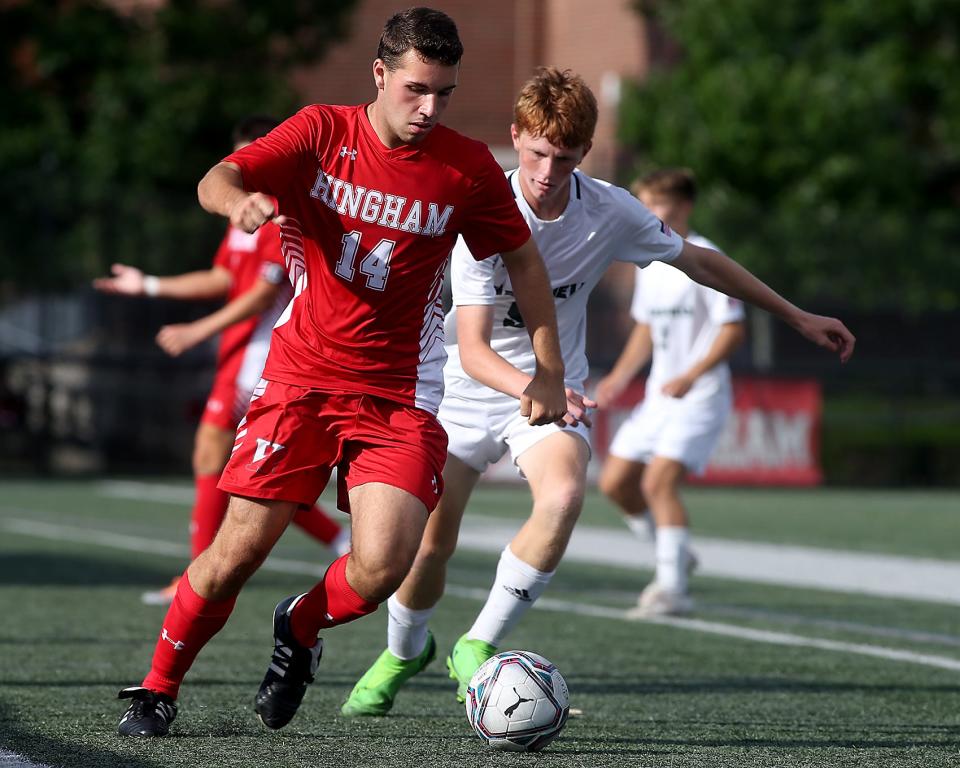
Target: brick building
504	40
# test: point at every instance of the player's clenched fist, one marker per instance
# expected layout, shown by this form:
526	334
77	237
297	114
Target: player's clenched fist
251	212
544	401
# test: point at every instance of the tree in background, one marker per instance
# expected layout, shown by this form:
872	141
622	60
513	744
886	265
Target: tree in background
112	112
826	137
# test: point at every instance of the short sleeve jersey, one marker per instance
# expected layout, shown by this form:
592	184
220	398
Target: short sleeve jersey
601	223
684	319
248	258
367	235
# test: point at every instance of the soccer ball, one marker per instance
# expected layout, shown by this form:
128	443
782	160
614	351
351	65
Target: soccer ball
517	701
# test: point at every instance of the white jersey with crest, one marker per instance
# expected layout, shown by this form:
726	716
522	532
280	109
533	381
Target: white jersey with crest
684	319
602	223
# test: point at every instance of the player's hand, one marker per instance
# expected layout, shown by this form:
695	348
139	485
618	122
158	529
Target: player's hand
827	332
609	388
544	401
126	280
178	338
577	409
677	387
253	211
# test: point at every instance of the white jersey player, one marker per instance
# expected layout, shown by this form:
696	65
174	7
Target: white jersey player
580	225
599	224
690	331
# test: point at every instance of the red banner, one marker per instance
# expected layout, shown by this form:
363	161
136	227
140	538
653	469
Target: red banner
771	438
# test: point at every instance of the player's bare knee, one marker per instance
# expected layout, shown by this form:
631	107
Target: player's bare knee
564	499
655	486
437	550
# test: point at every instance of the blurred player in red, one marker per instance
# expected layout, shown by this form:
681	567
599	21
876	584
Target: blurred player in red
370	200
248	270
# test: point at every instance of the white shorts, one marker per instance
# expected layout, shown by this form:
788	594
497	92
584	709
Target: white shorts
481	431
674	429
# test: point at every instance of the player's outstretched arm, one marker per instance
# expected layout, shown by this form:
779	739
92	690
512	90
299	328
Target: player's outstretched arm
221	192
130	281
713	269
178	338
636	352
544	400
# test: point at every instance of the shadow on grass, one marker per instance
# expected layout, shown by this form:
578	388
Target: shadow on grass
43	569
53	752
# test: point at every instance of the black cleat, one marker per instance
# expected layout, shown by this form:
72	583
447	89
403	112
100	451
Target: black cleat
291	670
149	714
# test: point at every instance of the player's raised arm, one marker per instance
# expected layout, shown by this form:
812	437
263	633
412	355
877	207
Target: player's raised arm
544	400
713	269
130	281
221	192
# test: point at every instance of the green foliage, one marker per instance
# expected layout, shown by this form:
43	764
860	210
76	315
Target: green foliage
826	137
110	118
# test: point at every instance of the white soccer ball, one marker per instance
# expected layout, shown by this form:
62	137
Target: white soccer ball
517	701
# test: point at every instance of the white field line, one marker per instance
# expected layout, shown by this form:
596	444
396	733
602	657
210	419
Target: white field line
13	760
911	578
137	544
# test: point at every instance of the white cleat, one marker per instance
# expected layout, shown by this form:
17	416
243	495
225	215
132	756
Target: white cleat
655	601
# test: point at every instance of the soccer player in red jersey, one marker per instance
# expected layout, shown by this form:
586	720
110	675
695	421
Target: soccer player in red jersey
249	272
370	200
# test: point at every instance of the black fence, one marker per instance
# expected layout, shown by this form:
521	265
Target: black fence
84	388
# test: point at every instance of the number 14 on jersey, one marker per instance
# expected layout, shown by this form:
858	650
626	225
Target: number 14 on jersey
375	264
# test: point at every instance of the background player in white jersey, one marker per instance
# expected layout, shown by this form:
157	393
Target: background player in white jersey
580	225
249	272
690	331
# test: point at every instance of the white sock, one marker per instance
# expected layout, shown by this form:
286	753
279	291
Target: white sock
641	525
341	543
515	589
673	544
406	629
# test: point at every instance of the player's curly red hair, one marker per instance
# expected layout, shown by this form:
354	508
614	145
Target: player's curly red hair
557	105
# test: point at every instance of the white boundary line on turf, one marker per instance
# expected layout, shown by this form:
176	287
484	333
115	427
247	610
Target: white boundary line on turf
882	575
137	544
13	760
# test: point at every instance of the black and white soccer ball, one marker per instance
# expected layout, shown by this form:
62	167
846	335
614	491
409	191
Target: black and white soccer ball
517	701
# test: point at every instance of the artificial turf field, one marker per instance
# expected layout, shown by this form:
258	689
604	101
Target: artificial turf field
74	558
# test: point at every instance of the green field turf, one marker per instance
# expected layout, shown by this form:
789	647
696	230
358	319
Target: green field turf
74	632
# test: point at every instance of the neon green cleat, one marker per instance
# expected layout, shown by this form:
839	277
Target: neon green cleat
465	659
374	693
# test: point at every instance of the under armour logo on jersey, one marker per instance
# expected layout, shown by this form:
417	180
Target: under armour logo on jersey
177	644
265	448
347	152
520	594
434	483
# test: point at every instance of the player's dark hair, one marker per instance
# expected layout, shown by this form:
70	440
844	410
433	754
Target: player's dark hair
252	127
432	34
676	183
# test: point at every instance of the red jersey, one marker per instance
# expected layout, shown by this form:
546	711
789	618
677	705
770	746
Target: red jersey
367	237
249	258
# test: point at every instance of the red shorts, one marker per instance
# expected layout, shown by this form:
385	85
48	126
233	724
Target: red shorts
226	403
293	437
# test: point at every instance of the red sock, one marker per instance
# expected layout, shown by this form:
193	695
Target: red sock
317	523
189	624
330	603
209	507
